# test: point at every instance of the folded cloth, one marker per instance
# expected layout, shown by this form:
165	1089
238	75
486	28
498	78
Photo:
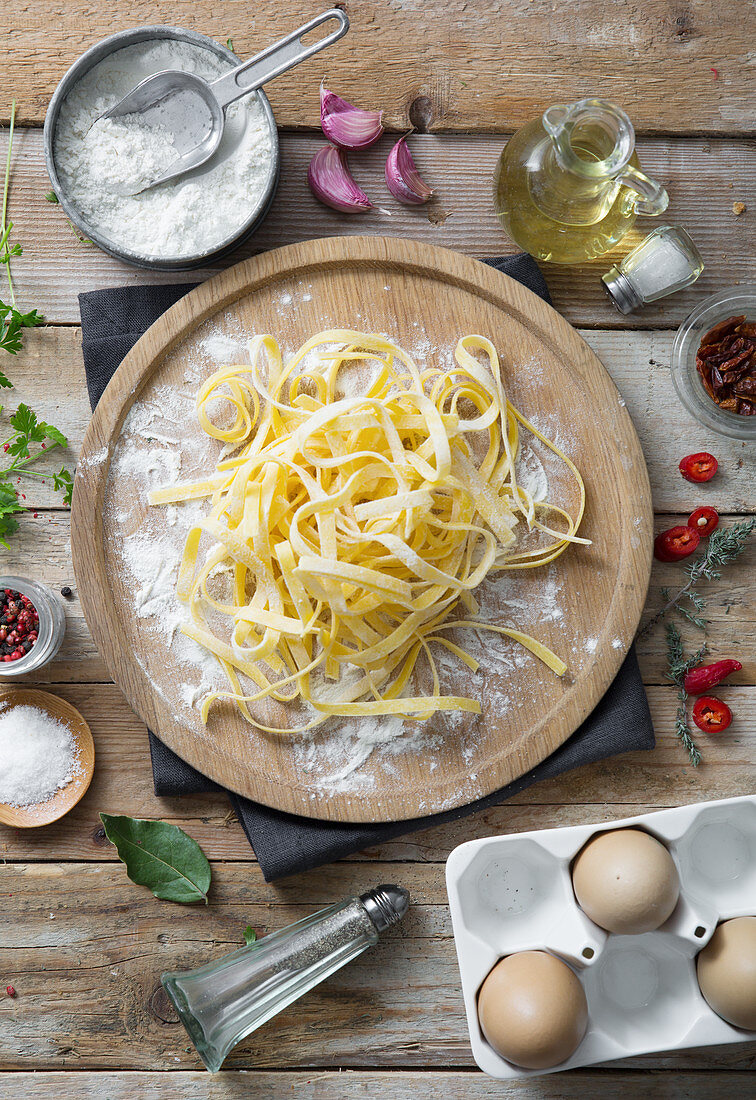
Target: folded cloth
112	321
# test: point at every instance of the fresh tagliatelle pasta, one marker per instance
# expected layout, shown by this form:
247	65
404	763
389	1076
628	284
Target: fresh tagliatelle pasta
357	523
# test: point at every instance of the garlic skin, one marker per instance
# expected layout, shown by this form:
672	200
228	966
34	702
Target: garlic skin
347	126
402	177
331	181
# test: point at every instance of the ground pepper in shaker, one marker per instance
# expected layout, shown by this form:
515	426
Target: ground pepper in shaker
225	1000
664	262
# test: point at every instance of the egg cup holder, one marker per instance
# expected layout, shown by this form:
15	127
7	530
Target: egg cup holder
514	893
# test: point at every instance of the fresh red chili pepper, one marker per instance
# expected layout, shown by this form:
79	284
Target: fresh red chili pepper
701	679
676	543
699	467
711	715
10	991
704	520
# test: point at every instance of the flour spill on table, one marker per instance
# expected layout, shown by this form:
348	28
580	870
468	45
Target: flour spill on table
161	442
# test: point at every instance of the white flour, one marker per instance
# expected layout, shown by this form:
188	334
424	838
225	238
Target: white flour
98	163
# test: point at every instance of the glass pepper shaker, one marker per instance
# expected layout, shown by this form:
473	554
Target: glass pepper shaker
663	263
222	1002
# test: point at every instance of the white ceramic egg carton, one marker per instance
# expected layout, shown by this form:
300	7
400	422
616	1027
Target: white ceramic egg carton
514	893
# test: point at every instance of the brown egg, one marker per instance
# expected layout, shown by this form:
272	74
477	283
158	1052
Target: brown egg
533	1010
626	881
727	972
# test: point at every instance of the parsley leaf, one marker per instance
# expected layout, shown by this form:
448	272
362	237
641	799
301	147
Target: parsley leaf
13	321
63	480
55	435
9	506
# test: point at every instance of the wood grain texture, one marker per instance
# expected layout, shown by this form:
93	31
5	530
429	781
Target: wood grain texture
85	946
703	177
351	1084
625	785
488	65
415	293
49	375
87	978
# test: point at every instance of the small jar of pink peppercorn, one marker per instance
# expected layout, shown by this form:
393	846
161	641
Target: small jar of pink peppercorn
32	626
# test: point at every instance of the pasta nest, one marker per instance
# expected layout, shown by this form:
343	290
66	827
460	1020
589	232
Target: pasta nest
357	521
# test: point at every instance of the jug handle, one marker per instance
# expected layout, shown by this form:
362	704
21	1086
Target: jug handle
652	198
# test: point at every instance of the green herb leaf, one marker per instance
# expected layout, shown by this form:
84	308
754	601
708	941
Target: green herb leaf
51	197
160	856
679	665
54	434
10	506
230	43
249	935
64	481
12	324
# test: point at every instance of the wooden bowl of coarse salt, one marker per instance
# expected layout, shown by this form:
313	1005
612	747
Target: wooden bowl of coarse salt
46	757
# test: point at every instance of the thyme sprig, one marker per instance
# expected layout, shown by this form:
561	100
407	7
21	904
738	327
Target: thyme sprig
679	665
693	615
724	546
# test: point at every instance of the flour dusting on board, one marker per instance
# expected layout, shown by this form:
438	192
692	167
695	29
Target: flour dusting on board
161	443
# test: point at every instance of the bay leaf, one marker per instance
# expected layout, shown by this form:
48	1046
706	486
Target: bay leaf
160	856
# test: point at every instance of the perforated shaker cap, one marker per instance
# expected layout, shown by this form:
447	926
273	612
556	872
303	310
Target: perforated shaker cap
386	905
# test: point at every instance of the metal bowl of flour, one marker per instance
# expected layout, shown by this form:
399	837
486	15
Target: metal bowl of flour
257	209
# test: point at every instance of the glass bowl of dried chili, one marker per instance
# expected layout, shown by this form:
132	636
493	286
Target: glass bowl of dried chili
714	362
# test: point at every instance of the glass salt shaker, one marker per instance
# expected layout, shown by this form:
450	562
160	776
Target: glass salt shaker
50	630
225	1000
663	263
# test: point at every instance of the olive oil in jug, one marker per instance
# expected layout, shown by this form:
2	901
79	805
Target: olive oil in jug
568	185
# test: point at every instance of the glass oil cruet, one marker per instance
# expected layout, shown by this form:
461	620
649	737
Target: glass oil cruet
568	185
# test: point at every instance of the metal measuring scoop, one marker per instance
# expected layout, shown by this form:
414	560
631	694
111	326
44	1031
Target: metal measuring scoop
193	110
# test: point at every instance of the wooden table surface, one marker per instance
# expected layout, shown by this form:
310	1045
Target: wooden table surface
84	947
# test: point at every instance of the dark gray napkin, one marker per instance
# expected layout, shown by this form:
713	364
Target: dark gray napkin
112	321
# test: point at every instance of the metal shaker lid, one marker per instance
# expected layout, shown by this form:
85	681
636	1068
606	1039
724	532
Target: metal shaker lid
621	291
386	905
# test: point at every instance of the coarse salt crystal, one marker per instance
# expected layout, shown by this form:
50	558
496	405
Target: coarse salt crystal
39	756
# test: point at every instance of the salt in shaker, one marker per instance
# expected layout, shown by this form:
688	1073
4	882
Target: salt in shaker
663	263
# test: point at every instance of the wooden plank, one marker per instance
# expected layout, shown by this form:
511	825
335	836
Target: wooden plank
85	948
621	787
350	1084
49	375
485	66
731	605
703	178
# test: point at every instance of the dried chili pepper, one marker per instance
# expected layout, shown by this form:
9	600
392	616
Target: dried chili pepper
726	364
702	679
704	520
711	715
676	543
699	467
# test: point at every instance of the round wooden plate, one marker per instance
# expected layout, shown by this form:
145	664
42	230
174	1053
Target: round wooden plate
586	606
29	817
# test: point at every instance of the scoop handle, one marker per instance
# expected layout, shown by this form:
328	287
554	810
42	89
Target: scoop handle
278	58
